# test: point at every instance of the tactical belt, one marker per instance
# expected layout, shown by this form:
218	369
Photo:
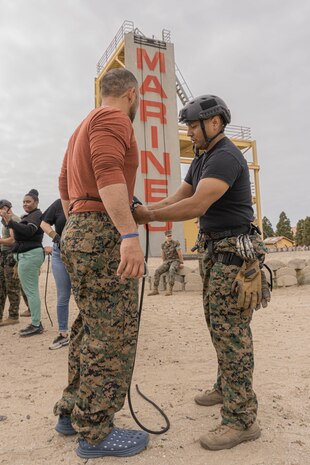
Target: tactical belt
227	258
215	236
93	199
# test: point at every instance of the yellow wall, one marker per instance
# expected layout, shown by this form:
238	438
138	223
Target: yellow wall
190	234
283	243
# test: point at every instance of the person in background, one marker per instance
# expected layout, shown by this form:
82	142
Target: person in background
9	281
29	255
172	261
54	216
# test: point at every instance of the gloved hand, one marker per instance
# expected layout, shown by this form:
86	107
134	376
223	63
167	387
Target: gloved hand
266	294
248	285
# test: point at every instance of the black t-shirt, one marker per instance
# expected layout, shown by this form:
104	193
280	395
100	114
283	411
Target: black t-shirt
54	215
27	233
226	162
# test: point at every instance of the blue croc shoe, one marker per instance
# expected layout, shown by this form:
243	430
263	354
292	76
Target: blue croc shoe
119	443
64	426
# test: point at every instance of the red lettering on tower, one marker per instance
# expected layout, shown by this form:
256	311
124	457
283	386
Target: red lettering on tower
160	112
154	137
143	57
150	189
156	87
153	115
163	168
166	227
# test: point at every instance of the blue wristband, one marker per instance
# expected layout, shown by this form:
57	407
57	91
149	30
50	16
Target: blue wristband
128	236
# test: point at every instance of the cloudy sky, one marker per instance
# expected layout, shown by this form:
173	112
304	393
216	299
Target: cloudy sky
254	54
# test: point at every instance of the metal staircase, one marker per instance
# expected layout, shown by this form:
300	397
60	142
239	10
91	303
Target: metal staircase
183	90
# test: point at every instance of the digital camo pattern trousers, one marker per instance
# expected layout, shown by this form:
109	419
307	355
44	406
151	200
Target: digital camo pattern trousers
9	285
231	336
172	266
104	335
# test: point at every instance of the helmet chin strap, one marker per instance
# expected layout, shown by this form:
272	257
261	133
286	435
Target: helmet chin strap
196	150
209	139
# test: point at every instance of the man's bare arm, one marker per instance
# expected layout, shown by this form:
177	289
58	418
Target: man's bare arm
179	251
47	228
9	240
65	206
184	191
208	191
115	200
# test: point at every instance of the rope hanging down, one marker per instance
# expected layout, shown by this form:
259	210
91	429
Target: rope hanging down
167	427
45	291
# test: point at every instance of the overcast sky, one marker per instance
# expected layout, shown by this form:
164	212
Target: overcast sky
254	54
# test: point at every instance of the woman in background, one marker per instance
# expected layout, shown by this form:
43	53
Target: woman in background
29	255
54	216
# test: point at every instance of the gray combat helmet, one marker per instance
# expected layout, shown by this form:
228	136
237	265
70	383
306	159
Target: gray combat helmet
5	203
204	107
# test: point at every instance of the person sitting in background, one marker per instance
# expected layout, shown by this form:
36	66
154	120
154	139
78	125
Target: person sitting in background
29	255
54	216
172	262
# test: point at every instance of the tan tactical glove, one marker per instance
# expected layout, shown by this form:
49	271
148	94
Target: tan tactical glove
248	286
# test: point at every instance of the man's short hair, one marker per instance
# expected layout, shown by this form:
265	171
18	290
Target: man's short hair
116	81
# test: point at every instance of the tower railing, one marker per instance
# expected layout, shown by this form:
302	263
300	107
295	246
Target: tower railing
232	131
127	26
238	132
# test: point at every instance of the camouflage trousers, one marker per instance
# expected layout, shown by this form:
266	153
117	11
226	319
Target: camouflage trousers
9	285
104	335
200	266
170	266
231	336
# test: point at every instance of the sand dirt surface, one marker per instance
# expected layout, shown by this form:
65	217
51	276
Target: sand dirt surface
175	361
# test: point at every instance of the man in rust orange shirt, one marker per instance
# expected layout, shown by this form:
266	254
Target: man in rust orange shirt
101	250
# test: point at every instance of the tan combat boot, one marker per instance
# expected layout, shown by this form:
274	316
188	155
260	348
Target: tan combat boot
169	291
154	292
225	437
209	398
9	321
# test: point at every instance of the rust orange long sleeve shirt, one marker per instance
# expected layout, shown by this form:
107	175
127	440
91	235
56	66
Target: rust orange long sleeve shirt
102	151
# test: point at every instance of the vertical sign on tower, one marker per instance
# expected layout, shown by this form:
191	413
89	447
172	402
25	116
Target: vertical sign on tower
152	62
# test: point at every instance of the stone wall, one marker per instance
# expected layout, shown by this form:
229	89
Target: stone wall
289	269
293	272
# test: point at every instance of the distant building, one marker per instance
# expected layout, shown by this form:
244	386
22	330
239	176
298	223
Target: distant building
278	242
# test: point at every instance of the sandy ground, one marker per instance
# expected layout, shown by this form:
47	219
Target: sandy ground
175	360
